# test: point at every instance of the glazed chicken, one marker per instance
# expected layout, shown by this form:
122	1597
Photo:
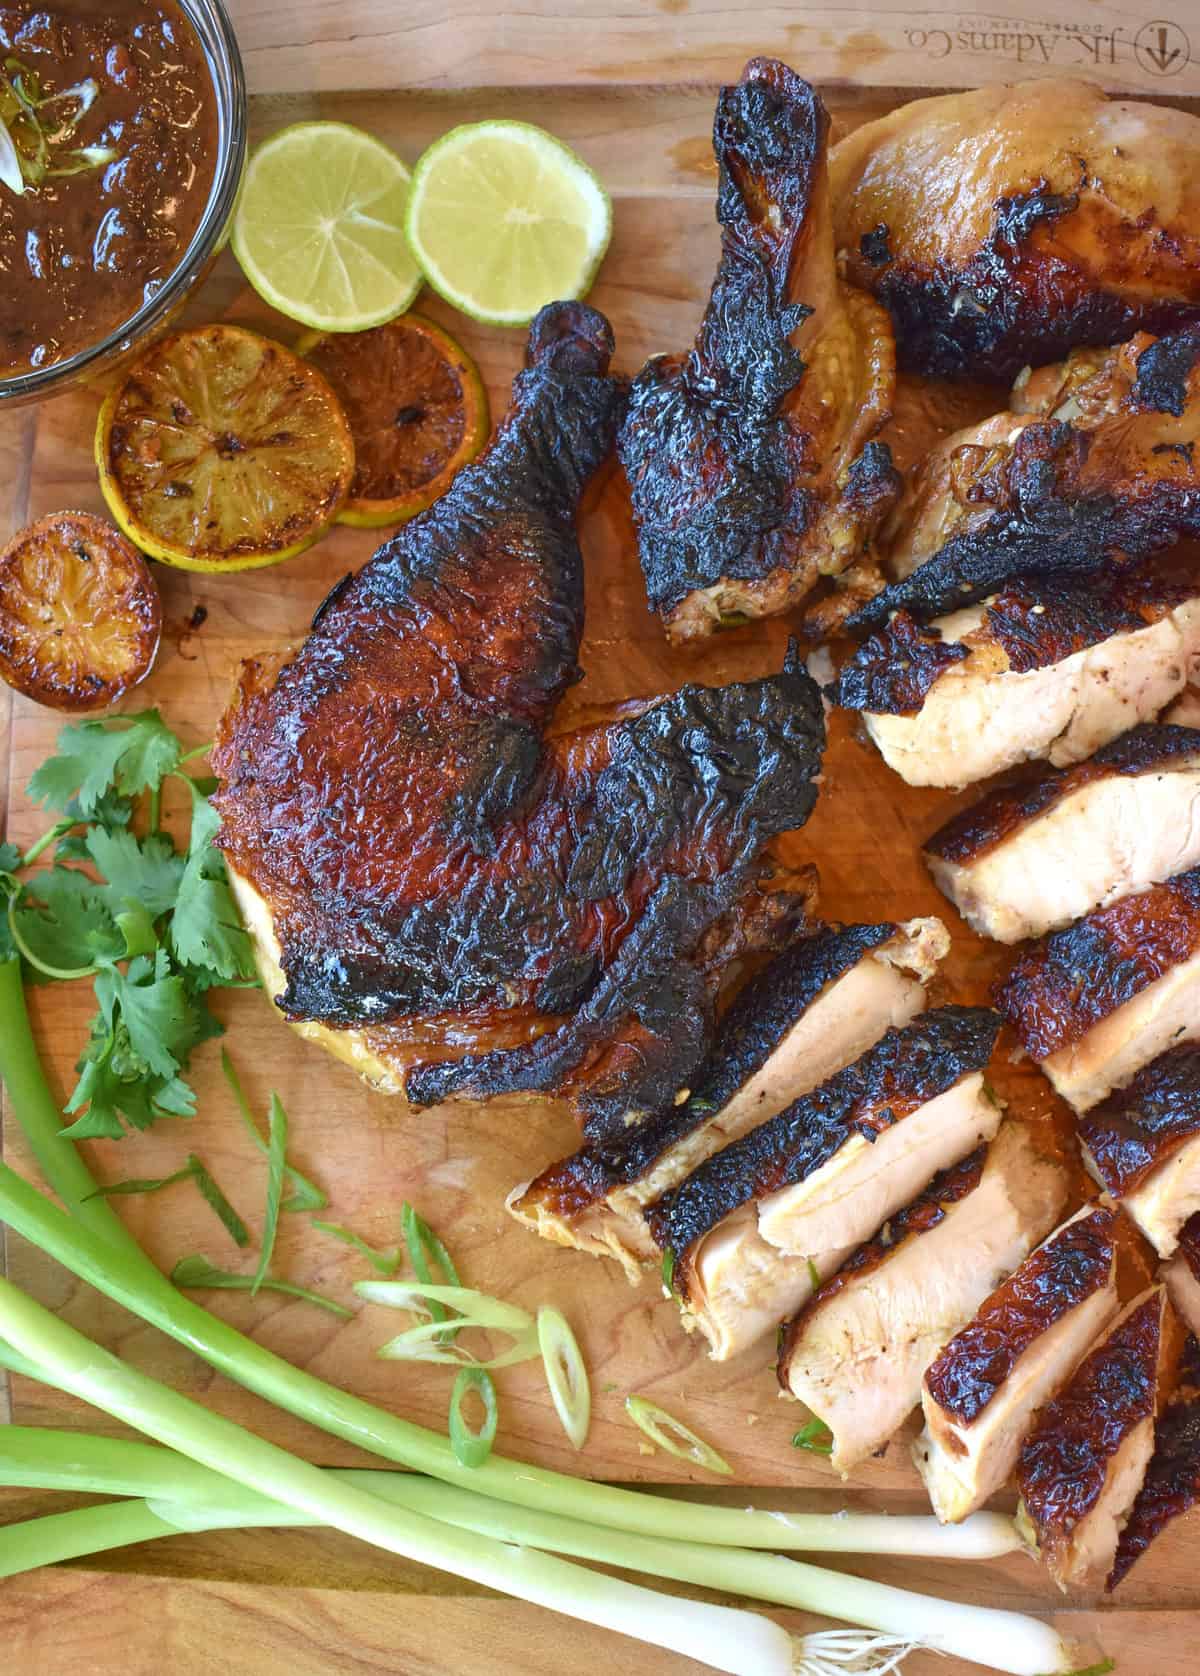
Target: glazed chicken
1182	1273
983	1391
427	876
755	1229
1172	1482
857	1352
1142	1144
1082	1466
814	1008
1006	226
751	459
1031	858
1044	669
1094	467
1095	1003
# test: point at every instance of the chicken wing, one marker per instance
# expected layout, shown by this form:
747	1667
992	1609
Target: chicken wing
750	459
426	876
1009	225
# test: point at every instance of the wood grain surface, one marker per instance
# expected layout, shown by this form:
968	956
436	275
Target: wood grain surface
311	1601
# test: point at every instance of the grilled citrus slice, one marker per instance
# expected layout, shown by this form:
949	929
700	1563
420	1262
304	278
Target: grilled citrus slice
220	450
80	617
417	410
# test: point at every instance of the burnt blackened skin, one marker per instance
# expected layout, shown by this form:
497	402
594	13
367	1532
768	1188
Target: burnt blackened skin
891	674
1035	623
1011	305
904	1070
1057	1277
1140	1126
711	459
1067	982
762	1014
1164	371
1171	1485
874	246
1063	1468
1151	748
924	1214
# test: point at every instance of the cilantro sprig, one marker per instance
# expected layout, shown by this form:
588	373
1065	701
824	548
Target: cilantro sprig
155	928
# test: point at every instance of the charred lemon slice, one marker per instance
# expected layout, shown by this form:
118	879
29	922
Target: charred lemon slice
80	617
220	450
417	410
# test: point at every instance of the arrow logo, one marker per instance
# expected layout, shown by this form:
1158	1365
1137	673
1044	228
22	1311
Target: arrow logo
1162	47
1159	54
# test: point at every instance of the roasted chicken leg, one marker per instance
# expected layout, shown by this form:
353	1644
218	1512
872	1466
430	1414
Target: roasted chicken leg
426	875
750	459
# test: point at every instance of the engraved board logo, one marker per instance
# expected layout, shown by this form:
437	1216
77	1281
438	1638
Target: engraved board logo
1161	47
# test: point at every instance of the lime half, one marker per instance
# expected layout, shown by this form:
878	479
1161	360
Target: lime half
503	218
319	229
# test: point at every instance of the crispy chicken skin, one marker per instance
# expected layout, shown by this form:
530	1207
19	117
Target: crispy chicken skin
811	1010
750	459
427	868
761	1223
1082	1466
1094	1003
1005	226
857	1352
1142	1144
1172	1482
1032	857
1046	668
1182	1274
1098	469
983	1391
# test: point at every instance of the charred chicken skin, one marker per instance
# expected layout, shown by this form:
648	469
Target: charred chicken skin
750	459
1094	466
1006	226
421	866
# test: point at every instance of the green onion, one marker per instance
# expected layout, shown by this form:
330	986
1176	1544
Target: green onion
195	1171
198	1274
276	1158
668	1270
429	1342
815	1436
472	1448
668	1433
423	1245
383	1262
307	1196
566	1374
814	1277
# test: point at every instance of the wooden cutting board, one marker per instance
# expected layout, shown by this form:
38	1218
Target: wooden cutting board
651	147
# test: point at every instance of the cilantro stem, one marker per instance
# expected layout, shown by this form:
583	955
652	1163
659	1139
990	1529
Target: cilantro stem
155	815
196	751
39	965
58	830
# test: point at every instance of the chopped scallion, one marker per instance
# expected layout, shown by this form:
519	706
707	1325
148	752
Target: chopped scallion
668	1433
472	1448
566	1374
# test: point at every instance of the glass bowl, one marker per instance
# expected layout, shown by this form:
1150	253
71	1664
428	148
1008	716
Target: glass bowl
211	23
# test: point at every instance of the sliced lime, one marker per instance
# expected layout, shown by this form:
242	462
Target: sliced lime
503	218
319	229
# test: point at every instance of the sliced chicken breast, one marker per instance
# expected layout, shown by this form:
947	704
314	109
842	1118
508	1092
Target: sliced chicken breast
751	1234
1044	669
1084	1462
1185	712
982	1393
1182	1274
1172	1482
813	1009
857	1353
1143	1144
1031	858
1096	1002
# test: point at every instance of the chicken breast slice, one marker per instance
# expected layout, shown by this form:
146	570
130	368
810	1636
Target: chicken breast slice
981	1395
1142	1144
1042	670
1082	1466
858	1351
731	1229
816	1007
1032	858
1182	1274
1095	1003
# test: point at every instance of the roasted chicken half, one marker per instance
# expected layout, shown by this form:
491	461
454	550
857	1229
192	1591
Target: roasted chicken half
751	459
1006	226
426	875
1093	467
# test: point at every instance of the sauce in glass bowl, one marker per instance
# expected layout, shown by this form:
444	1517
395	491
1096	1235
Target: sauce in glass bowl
112	113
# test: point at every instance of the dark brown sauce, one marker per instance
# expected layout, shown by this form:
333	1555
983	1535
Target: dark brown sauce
80	253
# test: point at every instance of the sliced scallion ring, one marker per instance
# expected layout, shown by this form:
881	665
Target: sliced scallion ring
430	1342
423	1245
471	1448
668	1433
566	1374
10	162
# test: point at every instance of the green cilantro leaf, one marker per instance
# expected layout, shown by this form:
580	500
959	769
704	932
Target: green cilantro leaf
111	811
10	858
65	923
206	928
144	870
129	753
